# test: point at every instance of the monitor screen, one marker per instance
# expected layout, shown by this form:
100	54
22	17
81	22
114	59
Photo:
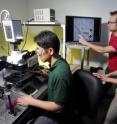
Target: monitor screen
88	27
12	30
8	31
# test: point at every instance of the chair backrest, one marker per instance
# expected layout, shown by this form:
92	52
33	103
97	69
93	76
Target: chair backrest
88	93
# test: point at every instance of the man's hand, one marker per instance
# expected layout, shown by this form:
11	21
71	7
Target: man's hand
43	72
98	75
25	100
103	77
83	41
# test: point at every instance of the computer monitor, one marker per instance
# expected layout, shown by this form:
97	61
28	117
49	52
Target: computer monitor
12	30
88	27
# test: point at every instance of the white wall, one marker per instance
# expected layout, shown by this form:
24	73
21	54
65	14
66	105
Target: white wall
76	7
96	8
17	8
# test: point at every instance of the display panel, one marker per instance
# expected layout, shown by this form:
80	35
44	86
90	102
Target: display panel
29	90
12	30
88	27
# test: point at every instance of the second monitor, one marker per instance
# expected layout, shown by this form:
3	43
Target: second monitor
88	27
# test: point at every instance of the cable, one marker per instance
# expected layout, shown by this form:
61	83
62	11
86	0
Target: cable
26	32
4	15
25	38
8	49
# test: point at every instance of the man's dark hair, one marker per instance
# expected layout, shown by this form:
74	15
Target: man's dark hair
113	12
48	39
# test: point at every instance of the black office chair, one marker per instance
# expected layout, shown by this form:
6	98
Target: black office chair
88	93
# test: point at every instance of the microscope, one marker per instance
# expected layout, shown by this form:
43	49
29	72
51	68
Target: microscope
13	34
15	74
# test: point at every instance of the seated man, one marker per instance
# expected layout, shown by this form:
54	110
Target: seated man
59	81
111	117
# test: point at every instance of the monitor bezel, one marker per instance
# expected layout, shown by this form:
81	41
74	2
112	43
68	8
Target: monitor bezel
70	33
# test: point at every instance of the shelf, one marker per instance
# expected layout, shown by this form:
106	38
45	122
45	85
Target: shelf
43	23
49	24
83	49
77	45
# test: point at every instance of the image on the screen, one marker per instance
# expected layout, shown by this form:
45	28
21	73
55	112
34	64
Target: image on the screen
83	27
29	89
87	27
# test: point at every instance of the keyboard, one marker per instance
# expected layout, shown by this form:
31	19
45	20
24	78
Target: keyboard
18	77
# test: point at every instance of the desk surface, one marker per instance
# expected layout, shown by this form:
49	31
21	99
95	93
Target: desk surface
6	118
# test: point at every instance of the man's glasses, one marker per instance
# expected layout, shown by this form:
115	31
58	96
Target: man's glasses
109	22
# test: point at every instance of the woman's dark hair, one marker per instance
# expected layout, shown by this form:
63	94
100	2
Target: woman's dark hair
48	39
